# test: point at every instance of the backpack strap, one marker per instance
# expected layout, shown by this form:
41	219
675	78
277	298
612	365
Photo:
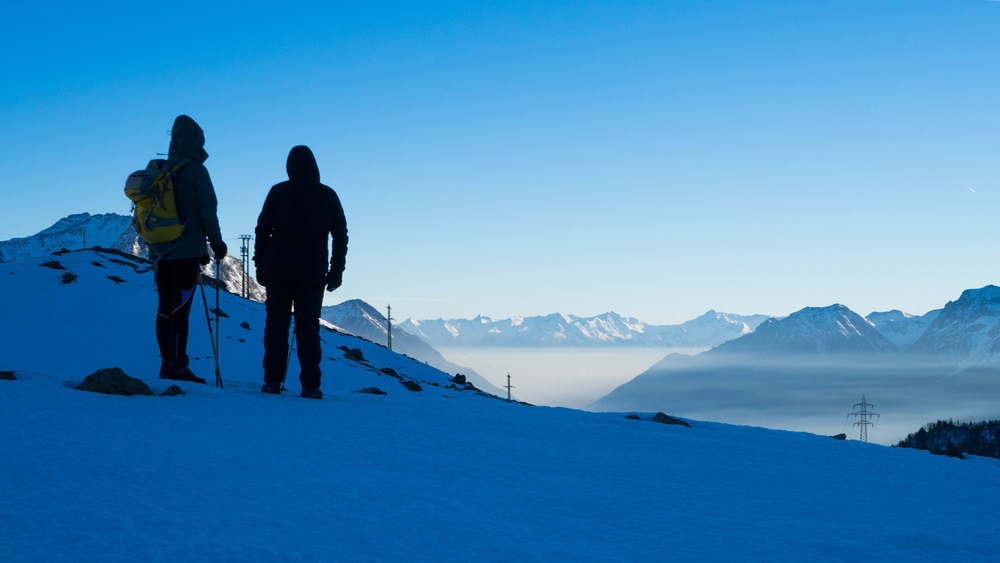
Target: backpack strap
180	239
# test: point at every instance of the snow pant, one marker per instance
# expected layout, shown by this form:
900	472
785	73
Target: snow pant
308	302
176	281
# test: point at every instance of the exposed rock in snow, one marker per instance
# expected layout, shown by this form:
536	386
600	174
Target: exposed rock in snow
110	230
113	381
361	319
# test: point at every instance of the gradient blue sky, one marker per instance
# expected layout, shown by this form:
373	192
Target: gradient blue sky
655	159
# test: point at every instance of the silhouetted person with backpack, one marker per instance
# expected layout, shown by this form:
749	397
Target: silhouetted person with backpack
290	252
178	262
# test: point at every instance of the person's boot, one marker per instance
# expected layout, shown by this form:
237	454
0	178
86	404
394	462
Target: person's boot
312	393
184	374
164	369
272	388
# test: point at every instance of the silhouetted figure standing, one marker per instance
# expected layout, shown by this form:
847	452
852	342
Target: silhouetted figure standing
290	252
179	261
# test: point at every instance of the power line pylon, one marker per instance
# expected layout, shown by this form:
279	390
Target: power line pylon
388	320
865	414
508	387
245	256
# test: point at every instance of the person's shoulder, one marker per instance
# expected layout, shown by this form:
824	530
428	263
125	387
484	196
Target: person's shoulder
329	192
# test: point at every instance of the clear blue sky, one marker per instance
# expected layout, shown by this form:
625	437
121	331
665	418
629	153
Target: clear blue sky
653	159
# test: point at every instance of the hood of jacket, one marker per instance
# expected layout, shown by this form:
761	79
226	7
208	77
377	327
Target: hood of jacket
187	141
301	165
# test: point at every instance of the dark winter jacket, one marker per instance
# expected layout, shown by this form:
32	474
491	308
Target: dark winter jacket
294	228
193	193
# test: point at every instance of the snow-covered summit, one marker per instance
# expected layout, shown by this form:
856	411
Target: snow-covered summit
902	329
967	330
114	231
813	330
107	230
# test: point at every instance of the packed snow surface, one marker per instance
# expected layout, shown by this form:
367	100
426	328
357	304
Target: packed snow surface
438	475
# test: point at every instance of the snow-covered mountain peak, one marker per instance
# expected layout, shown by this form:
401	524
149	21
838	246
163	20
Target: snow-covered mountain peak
967	330
834	329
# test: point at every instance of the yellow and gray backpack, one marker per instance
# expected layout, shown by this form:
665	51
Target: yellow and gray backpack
154	213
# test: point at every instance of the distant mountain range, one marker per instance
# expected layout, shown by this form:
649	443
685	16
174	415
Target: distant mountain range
361	319
114	231
833	342
558	330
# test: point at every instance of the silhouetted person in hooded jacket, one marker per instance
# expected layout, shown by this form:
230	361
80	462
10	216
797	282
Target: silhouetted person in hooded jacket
290	252
178	262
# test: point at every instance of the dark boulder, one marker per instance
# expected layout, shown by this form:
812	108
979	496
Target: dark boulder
839	437
371	391
459	379
951	451
664	419
113	381
389	371
54	264
452	386
68	277
354	354
116	279
172	391
470	387
412	386
245	325
8	375
633	417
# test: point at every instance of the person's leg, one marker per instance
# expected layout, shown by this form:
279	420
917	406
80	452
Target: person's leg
308	306
185	279
165	292
279	317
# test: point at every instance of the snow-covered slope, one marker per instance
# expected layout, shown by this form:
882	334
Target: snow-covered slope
110	230
610	329
812	330
236	475
86	310
902	329
105	230
967	331
361	319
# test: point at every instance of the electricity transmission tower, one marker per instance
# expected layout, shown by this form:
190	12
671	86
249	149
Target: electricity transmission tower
245	256
388	320
863	417
508	387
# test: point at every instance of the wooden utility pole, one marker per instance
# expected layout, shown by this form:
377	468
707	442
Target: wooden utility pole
389	320
508	387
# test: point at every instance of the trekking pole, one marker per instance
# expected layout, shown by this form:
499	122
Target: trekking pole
208	320
218	343
288	361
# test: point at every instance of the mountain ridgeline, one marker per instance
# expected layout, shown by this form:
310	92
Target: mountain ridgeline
114	231
819	360
361	319
607	330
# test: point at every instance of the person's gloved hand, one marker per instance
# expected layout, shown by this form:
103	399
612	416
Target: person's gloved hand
205	260
220	250
334	280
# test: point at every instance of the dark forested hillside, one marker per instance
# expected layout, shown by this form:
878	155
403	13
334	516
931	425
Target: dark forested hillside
976	438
